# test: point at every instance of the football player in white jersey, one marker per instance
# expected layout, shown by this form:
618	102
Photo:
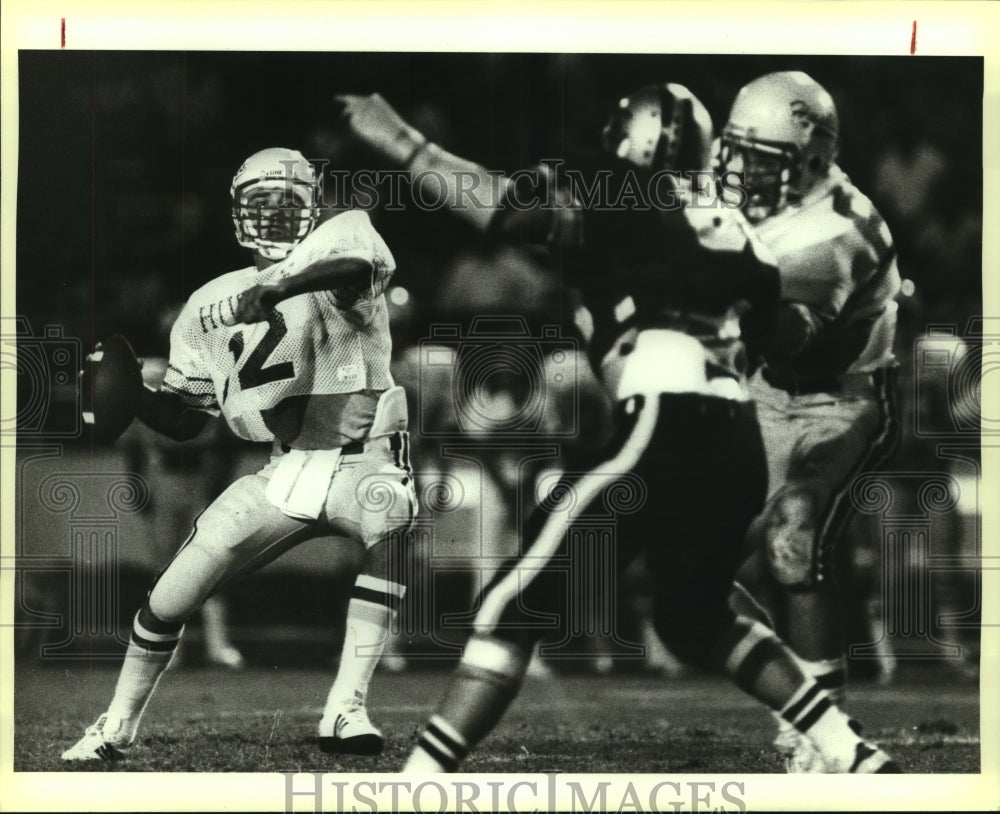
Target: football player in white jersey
825	394
685	473
293	350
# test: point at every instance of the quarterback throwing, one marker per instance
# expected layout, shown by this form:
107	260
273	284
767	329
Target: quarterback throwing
293	350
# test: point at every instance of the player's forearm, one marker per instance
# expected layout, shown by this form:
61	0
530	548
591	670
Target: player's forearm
466	188
438	177
316	274
328	274
167	414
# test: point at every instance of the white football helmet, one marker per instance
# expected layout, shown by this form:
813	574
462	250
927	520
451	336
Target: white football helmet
276	200
782	135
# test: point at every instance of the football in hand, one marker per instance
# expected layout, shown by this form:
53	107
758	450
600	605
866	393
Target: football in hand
110	388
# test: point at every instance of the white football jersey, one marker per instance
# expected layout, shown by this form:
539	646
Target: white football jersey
314	348
835	254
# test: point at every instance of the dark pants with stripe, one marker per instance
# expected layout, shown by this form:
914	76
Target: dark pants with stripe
681	481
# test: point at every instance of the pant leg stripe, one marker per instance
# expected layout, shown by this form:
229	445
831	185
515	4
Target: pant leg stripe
558	523
732	638
879	450
190	537
269	554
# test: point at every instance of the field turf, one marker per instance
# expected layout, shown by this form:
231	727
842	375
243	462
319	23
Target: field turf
263	720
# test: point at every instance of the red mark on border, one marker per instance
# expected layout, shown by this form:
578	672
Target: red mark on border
62	33
913	39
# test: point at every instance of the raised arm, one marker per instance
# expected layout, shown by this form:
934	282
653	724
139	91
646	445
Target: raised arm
469	190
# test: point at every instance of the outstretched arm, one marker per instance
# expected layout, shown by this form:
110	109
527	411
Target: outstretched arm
469	190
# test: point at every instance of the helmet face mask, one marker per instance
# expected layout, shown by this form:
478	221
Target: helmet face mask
782	134
770	176
275	197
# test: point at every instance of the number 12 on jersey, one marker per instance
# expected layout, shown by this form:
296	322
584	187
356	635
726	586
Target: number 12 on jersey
252	372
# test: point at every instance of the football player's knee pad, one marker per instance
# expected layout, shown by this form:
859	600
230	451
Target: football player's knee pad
170	606
788	529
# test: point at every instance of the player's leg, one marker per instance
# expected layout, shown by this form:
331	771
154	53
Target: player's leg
755	659
789	574
493	664
695	571
805	519
636	595
182	492
239	532
858	437
810	607
372	498
523	602
487	680
755	592
371	614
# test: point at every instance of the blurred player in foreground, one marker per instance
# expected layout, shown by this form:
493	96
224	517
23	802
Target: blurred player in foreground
664	287
295	350
825	396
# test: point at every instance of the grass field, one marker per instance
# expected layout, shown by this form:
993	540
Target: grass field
264	720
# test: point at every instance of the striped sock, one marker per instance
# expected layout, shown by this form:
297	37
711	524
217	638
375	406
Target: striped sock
487	680
149	652
441	748
830	674
370	614
759	663
813	714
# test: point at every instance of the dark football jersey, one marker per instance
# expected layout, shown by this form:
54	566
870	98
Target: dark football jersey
695	269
